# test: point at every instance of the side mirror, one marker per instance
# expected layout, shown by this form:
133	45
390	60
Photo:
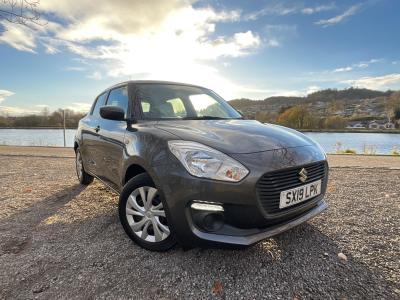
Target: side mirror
115	113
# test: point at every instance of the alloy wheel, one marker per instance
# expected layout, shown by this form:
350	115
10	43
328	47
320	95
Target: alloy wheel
146	215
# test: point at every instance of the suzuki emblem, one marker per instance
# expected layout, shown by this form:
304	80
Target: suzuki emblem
303	175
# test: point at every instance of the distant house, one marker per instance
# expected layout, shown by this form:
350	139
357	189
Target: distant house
381	124
356	125
348	111
390	125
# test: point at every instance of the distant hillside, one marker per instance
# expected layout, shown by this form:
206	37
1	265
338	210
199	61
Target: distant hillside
346	94
348	103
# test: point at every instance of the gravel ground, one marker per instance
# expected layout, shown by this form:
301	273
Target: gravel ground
61	240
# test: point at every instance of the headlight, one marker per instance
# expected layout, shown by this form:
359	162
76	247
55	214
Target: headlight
202	161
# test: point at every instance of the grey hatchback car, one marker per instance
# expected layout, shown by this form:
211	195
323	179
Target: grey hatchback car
190	169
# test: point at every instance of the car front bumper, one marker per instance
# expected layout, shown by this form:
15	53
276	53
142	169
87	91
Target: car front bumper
262	233
245	222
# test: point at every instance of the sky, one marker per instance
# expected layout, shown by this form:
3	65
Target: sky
250	49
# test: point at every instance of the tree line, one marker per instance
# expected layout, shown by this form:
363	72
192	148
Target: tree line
327	95
45	119
300	116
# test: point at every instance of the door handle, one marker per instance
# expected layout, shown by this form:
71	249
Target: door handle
97	129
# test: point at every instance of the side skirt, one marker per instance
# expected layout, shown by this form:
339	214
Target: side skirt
104	183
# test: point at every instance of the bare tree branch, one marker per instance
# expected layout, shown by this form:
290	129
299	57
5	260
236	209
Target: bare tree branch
23	12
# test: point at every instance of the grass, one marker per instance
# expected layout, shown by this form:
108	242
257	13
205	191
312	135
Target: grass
395	151
350	151
366	150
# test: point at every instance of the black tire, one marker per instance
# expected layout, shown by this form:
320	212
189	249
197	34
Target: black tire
83	177
142	180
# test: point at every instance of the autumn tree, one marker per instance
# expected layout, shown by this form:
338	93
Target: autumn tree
393	105
335	106
335	122
297	117
266	116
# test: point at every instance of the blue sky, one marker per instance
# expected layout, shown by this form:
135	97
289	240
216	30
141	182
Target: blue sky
252	49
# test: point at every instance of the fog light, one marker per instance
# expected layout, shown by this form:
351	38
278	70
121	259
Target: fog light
213	221
207	206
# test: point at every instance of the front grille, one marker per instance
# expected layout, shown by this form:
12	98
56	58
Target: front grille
270	185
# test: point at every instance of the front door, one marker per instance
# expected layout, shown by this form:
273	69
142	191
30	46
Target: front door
112	139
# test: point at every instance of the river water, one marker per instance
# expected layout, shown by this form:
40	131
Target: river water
378	143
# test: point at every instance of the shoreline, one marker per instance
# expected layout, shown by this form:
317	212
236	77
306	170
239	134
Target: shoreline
391	131
28	149
28	128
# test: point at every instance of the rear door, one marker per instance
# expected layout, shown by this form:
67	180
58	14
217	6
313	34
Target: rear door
91	137
112	138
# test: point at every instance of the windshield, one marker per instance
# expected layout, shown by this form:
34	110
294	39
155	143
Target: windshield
171	101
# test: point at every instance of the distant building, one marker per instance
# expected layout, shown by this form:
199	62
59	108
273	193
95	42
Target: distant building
348	111
381	124
356	125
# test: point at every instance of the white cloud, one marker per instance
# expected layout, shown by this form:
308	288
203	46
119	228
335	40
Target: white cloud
317	9
80	106
75	69
265	93
4	94
313	89
50	49
344	69
283	9
362	65
277	34
339	18
359	65
13	110
378	82
37	109
18	36
171	40
272	9
273	43
16	111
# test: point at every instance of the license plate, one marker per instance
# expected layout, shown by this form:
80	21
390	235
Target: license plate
300	194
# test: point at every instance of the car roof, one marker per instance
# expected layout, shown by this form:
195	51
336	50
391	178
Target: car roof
150	82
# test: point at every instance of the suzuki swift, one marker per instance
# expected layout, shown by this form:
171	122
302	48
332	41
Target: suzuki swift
189	169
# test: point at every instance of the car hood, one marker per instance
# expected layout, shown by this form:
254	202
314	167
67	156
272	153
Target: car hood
236	136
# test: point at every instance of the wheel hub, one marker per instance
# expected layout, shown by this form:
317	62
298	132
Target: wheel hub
146	216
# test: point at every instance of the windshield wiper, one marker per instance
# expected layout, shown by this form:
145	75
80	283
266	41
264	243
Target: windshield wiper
205	118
